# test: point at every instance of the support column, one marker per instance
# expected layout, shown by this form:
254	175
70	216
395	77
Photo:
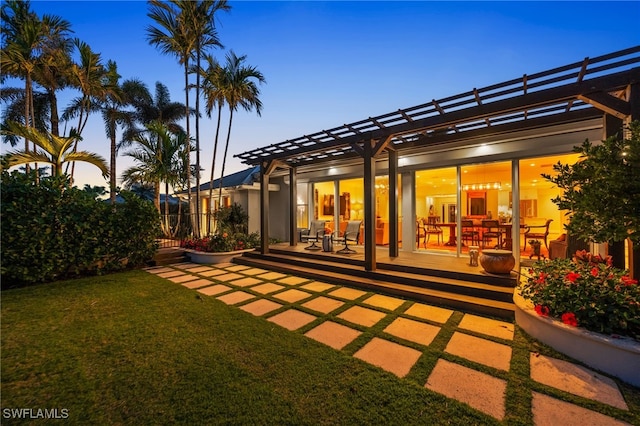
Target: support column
369	207
612	126
393	203
264	208
293	207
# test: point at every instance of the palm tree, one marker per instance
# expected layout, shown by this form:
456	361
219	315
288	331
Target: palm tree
156	155
171	38
186	29
88	76
149	108
114	114
214	86
200	22
25	37
54	150
241	91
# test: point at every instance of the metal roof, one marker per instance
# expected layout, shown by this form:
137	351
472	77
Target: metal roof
562	94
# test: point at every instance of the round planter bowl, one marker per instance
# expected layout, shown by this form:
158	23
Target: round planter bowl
497	261
213	258
619	357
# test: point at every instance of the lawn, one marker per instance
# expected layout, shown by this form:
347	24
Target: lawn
132	348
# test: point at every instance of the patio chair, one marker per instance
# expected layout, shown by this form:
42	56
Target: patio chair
314	234
351	233
537	232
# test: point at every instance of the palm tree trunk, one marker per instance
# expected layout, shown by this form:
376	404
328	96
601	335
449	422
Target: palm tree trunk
224	157
156	196
213	160
198	206
188	142
112	168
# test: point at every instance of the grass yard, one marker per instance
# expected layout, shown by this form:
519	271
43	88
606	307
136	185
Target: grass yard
132	348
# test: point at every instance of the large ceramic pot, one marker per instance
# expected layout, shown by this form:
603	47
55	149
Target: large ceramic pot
619	357
213	258
497	261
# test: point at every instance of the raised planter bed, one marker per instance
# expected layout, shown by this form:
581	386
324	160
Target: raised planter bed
619	357
213	258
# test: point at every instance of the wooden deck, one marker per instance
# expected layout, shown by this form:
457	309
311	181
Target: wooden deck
438	279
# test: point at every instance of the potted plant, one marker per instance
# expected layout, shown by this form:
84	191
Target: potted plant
230	239
535	248
585	308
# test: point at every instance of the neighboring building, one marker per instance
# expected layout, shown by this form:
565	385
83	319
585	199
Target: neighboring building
475	155
241	188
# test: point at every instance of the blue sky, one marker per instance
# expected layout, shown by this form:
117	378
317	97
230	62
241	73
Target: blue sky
331	63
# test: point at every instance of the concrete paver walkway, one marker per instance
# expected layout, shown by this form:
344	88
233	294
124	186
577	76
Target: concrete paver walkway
473	361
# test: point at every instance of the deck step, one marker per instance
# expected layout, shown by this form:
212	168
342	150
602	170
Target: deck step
169	256
468	296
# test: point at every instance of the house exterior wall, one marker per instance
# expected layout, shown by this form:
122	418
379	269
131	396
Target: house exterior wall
549	140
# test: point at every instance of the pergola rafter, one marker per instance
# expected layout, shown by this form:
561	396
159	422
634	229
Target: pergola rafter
559	92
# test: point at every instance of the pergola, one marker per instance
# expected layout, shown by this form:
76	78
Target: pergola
605	86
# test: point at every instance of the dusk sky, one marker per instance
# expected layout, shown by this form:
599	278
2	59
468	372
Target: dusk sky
331	63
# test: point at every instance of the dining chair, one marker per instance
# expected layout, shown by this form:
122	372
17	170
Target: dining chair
491	230
469	232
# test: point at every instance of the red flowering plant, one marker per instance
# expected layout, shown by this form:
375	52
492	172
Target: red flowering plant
222	242
585	292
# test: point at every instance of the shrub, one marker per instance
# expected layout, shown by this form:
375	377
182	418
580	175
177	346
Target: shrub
587	292
222	242
51	230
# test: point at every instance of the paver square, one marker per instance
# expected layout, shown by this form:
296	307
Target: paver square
481	391
575	379
384	302
272	276
413	331
201	282
490	327
323	304
333	334
428	312
267	288
199	269
246	282
158	269
260	307
292	319
228	277
292	295
293	280
213	273
550	411
362	316
183	278
389	356
347	293
235	297
317	286
213	290
185	265
237	268
254	271
170	274
479	350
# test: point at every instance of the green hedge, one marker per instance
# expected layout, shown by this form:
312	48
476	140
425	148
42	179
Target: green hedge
52	231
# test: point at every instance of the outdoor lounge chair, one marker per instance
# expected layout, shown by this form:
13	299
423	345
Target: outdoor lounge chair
314	234
351	233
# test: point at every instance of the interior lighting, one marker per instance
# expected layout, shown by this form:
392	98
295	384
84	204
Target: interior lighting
481	186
